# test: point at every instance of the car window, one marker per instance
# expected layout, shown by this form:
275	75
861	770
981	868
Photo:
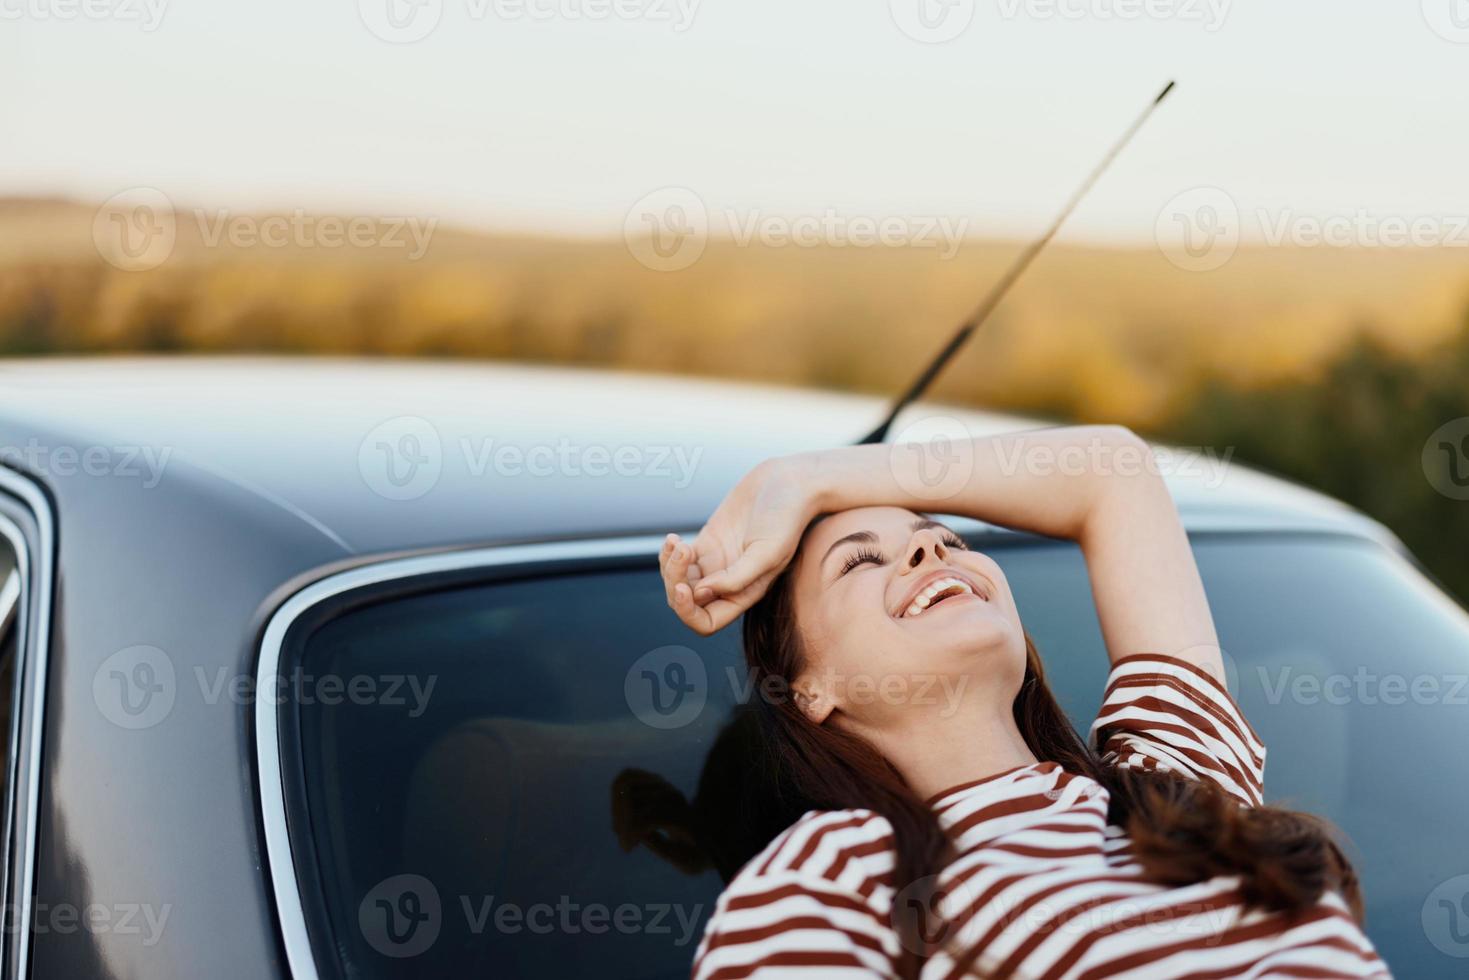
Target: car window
542	777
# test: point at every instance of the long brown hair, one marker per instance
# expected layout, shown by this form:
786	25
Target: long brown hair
1182	830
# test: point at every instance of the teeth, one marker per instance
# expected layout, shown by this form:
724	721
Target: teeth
925	598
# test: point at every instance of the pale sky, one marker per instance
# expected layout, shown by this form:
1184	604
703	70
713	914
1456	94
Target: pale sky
559	115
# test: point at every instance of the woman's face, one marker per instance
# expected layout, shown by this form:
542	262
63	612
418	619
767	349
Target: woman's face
896	616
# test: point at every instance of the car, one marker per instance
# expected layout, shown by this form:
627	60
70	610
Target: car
363	668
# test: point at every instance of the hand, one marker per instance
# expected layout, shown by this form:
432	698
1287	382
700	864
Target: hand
747	542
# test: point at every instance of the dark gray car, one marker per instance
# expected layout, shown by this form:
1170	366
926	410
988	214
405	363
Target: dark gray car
363	669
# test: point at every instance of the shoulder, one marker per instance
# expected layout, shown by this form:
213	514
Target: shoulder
1161	712
818	896
853	848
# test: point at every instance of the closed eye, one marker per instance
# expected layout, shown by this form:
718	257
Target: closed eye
861	556
866	556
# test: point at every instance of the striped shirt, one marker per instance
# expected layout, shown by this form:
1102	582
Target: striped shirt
1042	886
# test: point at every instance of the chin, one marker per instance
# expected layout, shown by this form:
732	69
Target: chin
979	640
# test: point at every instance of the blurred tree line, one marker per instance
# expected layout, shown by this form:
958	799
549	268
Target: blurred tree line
1357	430
1266	354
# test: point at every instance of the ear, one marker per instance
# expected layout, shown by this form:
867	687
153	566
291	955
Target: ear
814	701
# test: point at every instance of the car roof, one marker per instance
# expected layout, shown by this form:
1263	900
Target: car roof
309	438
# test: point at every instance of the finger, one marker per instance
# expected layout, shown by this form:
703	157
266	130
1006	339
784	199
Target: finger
758	559
722	612
675	568
694	616
670	541
725	610
747	597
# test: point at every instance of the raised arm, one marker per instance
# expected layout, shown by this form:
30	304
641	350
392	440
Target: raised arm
1096	485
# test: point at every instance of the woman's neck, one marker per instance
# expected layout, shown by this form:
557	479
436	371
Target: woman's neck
937	753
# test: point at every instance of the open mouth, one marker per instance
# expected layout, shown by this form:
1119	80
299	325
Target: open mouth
940	589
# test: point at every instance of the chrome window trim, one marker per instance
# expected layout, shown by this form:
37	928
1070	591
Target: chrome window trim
9	599
12	604
299	958
30	720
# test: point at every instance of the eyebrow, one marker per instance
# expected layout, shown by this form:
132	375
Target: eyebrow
868	537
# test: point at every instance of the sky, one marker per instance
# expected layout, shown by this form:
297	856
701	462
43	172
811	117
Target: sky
559	116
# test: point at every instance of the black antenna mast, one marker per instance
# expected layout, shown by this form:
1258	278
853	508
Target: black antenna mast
1000	288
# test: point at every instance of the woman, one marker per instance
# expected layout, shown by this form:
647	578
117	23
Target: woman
959	824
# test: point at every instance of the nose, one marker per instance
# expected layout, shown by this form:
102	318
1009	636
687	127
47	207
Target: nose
925	544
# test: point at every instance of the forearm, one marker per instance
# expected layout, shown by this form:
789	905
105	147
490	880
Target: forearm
1096	485
1046	481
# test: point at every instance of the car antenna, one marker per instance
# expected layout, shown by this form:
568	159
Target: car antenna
1000	288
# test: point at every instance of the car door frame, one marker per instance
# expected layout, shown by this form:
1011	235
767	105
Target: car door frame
28	524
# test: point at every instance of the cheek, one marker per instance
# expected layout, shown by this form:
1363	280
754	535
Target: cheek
848	628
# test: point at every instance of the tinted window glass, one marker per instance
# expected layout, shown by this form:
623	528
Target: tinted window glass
490	799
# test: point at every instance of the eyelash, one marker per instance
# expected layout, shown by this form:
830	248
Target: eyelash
863	556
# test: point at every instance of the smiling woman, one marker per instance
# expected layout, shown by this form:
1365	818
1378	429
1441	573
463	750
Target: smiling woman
983	836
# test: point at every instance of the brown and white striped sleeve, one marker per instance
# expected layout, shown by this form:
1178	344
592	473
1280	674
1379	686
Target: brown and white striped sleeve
813	903
1160	712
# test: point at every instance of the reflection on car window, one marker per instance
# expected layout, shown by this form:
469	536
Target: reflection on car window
545	777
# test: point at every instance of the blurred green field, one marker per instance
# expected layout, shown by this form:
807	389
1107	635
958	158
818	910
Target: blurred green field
1329	365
